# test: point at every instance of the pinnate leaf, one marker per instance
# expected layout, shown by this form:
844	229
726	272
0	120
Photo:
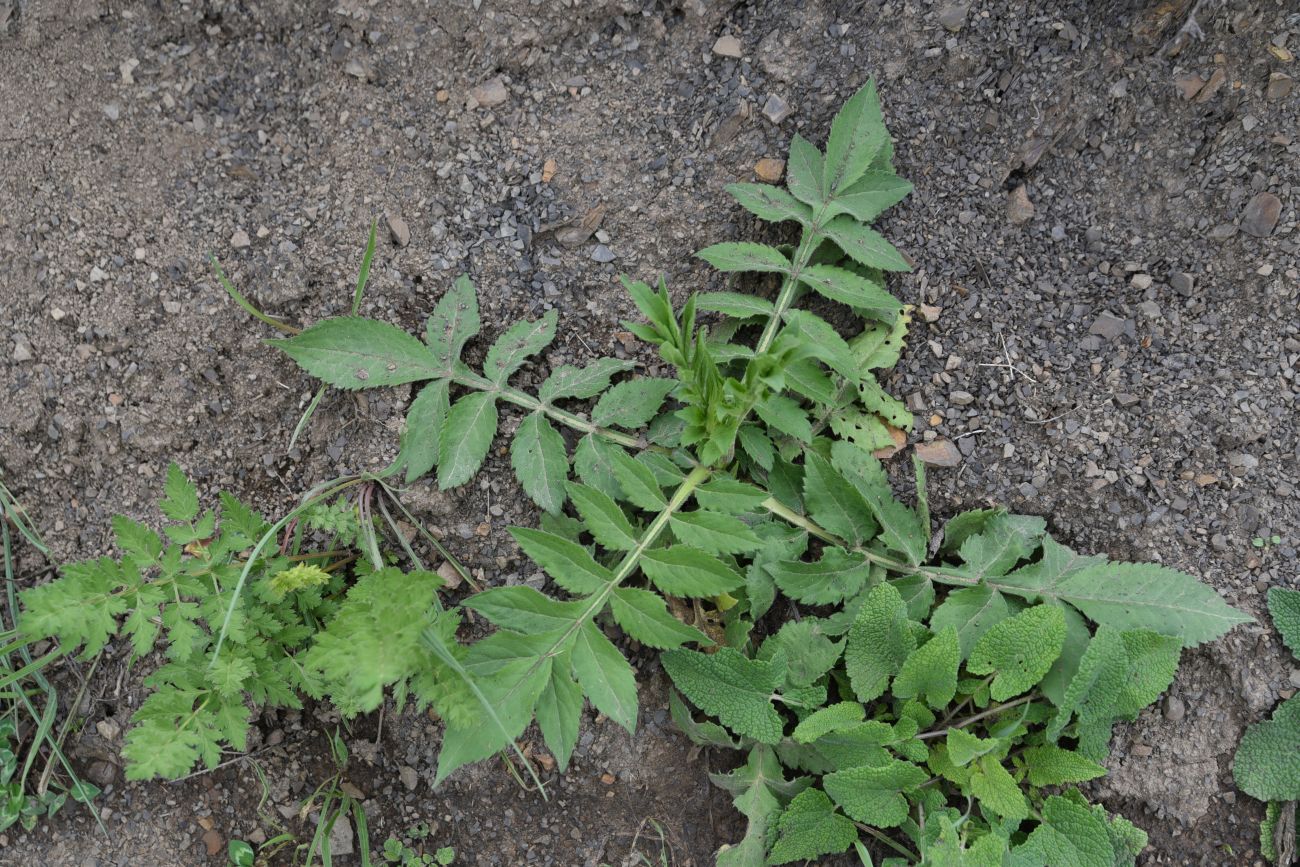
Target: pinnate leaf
351	353
713	532
568	563
745	256
605	676
865	245
735	304
804	172
846	287
581	382
519	341
644	616
540	461
603	518
870	196
638	483
770	203
181	500
453	323
689	572
465	438
857	134
632	403
424	420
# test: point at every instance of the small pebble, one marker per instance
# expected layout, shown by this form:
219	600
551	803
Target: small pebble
490	93
768	170
776	109
727	46
601	253
398	230
1261	215
240	239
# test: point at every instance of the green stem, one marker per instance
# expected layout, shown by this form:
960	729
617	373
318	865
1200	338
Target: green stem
808	244
889	841
970	720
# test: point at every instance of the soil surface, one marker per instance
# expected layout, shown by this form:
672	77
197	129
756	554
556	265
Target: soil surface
1104	229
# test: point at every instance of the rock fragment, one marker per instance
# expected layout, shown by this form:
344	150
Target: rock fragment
940	453
728	46
490	93
1261	215
768	170
398	230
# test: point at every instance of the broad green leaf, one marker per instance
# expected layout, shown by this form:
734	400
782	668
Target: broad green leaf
809	652
705	733
725	494
1019	649
1267	763
972	611
823	342
523	609
540	461
870	196
804	172
745	256
1053	766
568	563
465	438
638	483
828	719
786	416
806	378
453	322
688	572
351	353
760	788
1043	577
1058	677
424	420
857	134
181	500
631	403
1147	596
846	287
735	304
880	345
836	576
964	747
865	245
1004	541
930	671
1284	608
559	710
997	790
1068	834
581	382
874	795
770	203
644	616
834	503
605	676
603	518
756	444
593	460
880	642
713	532
810	828
736	690
900	527
519	341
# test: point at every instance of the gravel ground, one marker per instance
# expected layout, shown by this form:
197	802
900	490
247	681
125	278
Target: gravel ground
1105	232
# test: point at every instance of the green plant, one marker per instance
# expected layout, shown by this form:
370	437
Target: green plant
301	631
1267	763
397	850
750	476
29	703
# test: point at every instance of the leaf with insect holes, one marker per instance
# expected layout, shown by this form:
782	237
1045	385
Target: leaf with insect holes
603	518
644	616
632	403
181	502
857	135
568	563
770	203
453	323
846	287
804	168
424	421
519	341
1018	651
713	532
745	256
581	382
873	194
640	487
735	304
605	676
688	572
351	353
865	245
465	438
540	461
559	710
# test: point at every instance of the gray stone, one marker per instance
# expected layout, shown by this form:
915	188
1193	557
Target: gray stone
1261	215
240	239
776	109
727	46
961	398
342	840
398	230
601	253
490	93
22	352
409	777
1108	326
953	16
1182	283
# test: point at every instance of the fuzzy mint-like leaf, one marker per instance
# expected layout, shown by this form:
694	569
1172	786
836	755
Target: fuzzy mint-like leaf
644	616
581	382
688	572
874	795
453	323
759	788
1019	649
351	353
1050	765
568	563
1267	763
1069	833
540	461
972	611
745	256
605	676
879	642
770	203
632	403
736	690
465	438
519	341
997	791
823	721
930	671
1284	608
809	828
